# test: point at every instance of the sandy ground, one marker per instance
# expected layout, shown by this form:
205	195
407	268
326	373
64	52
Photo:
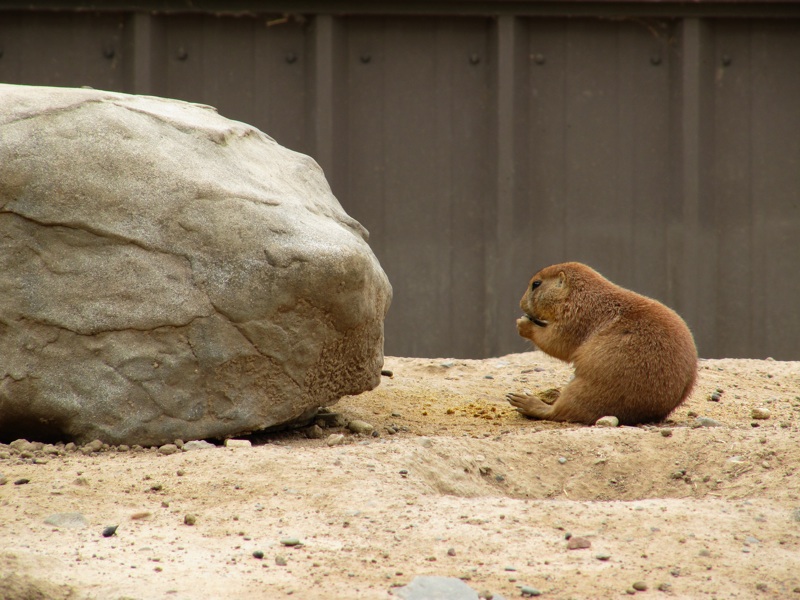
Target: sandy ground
465	487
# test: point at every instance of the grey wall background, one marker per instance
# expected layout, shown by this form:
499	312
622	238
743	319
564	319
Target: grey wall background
481	141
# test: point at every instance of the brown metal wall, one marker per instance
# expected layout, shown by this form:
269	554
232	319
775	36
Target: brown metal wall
664	151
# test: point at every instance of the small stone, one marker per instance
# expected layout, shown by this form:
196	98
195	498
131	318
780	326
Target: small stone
22	481
609	421
290	542
666	432
315	432
168	449
664	587
258	554
335	439
640	586
387	373
94	446
760	413
562	460
123	448
529	591
231	443
110	530
706	422
198	445
630	591
179	444
602	556
578	543
451	552
189	519
715	397
3	479
280	560
362	427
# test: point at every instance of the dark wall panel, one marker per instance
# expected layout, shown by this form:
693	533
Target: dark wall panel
419	170
663	151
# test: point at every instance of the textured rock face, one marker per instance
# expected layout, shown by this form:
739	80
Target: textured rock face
168	273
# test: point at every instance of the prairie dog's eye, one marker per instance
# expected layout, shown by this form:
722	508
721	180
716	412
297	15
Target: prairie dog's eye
536	284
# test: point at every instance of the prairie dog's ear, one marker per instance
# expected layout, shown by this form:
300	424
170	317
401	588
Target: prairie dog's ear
562	279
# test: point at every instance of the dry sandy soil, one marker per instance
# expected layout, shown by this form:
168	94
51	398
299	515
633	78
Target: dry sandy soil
466	487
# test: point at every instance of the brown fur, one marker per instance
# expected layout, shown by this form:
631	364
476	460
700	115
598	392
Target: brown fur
634	358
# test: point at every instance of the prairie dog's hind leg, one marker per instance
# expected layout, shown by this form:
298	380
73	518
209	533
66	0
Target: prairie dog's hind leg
530	406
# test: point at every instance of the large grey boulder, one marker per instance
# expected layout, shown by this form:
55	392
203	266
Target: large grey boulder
168	273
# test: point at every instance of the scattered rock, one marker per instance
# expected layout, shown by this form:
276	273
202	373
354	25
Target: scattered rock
280	560
72	520
290	542
360	427
639	586
231	443
3	479
578	543
335	439
562	460
434	588
760	413
666	432
706	422
168	449
387	373
22	481
110	530
664	587
189	519
197	445
258	554
315	432
528	591
609	421
451	552
602	556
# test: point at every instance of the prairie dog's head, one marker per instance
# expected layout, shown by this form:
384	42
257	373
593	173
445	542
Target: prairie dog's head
546	292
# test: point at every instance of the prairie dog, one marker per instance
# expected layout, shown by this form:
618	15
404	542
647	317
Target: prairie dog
634	358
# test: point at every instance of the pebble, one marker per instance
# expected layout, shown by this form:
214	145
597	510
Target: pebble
360	427
609	421
664	587
387	373
760	413
110	530
602	556
231	443
715	397
666	432
315	432
280	560
640	586
74	520
3	479
578	543
562	460
431	586
190	519
258	554
706	422
451	552
22	481
291	542
529	591
335	439
168	449
197	445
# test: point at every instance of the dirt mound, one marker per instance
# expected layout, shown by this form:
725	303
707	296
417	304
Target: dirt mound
455	484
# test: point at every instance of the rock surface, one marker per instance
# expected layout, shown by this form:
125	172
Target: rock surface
168	273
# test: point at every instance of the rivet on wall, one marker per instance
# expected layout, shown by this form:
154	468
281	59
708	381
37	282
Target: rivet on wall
474	59
655	59
291	58
366	58
182	54
109	51
538	59
726	60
